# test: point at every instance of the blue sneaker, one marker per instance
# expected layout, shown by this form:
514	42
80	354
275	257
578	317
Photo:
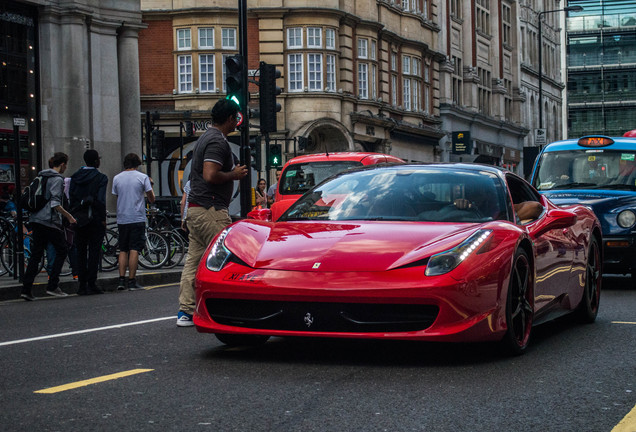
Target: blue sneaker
184	320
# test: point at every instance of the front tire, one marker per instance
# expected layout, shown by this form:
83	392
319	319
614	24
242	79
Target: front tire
587	310
519	305
241	339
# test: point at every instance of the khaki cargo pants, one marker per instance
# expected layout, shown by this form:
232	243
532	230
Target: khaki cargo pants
203	226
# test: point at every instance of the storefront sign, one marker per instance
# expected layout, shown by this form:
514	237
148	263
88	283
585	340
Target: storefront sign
462	143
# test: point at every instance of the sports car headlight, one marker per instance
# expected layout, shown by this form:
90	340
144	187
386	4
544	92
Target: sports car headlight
219	254
446	261
626	218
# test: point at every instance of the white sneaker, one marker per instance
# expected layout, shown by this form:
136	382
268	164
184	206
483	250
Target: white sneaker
57	292
184	320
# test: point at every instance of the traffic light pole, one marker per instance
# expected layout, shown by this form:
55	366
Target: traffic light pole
245	156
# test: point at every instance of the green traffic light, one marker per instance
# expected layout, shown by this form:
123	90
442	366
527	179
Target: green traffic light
234	99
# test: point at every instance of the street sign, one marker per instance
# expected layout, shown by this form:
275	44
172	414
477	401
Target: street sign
461	142
540	138
18	121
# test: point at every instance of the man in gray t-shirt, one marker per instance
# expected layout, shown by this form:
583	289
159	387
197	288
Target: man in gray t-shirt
212	179
131	187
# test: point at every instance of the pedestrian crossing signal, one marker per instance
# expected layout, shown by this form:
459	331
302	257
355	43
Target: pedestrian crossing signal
275	155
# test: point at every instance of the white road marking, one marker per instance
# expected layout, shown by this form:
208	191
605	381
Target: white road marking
116	326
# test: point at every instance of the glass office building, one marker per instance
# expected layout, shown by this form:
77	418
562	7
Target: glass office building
601	67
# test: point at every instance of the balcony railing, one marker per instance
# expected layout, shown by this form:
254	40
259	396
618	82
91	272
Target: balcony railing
589	23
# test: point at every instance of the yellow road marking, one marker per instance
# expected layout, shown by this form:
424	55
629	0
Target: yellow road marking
84	383
623	322
628	424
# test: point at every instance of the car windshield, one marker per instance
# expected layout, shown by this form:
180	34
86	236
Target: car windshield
404	194
299	178
589	169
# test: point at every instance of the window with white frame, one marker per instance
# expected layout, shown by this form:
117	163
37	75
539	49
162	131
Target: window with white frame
184	40
394	90
295	75
406	65
185	73
331	72
206	73
406	5
394	61
416	95
406	94
374	80
314	37
363	48
228	38
206	37
314	72
330	38
374	48
224	58
363	80
295	37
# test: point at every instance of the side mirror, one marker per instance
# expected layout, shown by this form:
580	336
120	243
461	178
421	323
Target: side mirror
260	214
555	219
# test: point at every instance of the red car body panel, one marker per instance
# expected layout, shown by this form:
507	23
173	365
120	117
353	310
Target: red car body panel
383	262
284	201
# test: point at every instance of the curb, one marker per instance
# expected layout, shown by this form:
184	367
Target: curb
108	284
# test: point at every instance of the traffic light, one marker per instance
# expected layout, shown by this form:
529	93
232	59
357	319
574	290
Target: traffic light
255	152
189	129
235	71
156	143
268	92
275	155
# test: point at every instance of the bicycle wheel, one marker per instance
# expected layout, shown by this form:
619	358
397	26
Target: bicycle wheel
110	251
177	249
6	249
7	259
155	252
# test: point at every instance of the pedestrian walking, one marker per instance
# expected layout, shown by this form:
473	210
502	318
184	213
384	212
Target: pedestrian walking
47	226
271	192
87	193
212	179
131	186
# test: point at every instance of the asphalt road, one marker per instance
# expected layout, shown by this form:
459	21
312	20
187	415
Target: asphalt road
574	377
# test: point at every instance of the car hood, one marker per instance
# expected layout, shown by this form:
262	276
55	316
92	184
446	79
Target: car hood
591	198
339	246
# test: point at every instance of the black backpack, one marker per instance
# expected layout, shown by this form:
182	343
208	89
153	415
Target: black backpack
83	203
34	197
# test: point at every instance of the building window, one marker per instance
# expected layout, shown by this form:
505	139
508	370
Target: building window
331	72
406	65
458	82
506	14
185	73
330	38
374	49
374	80
405	5
295	37
228	36
456	8
393	61
225	57
295	65
508	99
206	73
363	80
314	37
482	13
206	38
394	89
363	48
484	91
314	69
184	40
406	94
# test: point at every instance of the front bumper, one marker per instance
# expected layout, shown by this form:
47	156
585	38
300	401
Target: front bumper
619	254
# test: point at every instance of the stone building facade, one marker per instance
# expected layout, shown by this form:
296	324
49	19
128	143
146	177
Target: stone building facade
72	71
399	77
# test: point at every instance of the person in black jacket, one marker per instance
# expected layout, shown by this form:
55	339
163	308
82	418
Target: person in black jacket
88	205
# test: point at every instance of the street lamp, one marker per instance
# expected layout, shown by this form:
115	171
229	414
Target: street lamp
565	9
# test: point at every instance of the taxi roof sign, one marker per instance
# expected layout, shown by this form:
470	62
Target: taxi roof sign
595	141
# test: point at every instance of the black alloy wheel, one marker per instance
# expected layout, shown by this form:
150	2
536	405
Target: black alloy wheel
587	310
519	305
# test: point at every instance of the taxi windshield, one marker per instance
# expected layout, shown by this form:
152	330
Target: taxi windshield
406	194
299	178
587	169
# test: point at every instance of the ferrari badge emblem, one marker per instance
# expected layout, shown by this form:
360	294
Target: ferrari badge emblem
309	320
316	265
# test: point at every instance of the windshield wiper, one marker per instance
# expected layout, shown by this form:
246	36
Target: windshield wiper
573	185
616	186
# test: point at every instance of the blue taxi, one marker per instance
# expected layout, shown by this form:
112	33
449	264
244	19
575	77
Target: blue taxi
600	173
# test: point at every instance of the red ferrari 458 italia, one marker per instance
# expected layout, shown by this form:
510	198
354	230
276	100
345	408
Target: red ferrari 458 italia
420	252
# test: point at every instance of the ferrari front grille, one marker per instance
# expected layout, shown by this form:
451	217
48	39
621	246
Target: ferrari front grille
322	317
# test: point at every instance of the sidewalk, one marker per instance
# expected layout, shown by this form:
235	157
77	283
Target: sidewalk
10	288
